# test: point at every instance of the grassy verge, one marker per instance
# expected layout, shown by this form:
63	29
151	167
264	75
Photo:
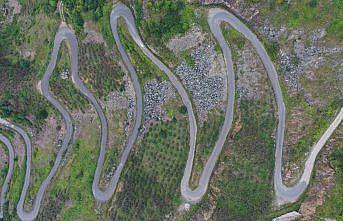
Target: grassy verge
333	204
115	148
146	70
207	137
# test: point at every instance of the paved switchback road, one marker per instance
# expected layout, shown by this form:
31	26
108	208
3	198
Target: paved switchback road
63	34
283	194
216	16
4	188
189	195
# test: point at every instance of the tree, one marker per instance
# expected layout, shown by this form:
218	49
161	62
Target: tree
183	109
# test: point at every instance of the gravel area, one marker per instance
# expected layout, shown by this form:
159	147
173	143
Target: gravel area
155	94
206	86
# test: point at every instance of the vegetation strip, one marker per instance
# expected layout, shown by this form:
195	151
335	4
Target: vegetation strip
4	188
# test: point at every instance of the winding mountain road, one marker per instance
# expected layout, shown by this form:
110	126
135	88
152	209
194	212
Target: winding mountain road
104	196
63	34
216	17
283	194
4	188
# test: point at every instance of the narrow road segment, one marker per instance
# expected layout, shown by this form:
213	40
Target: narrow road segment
4	188
63	33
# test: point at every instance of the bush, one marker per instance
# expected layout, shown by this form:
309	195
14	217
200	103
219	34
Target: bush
167	18
183	109
42	114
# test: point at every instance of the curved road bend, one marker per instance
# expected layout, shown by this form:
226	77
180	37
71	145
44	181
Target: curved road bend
62	34
104	196
4	188
283	194
189	195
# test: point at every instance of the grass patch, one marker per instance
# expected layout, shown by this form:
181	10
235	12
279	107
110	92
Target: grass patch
165	18
309	14
246	188
232	36
151	180
68	95
74	180
99	70
206	139
42	162
146	70
333	204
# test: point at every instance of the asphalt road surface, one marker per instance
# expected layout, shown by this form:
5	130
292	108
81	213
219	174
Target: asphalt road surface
104	196
216	17
4	188
63	34
283	194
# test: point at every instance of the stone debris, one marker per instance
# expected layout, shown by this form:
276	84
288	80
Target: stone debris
207	91
64	74
3	157
290	70
272	33
293	65
155	94
249	73
317	34
131	103
296	58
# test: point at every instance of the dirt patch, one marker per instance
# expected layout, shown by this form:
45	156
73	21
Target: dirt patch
15	5
81	119
50	135
92	36
192	38
9	10
251	74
